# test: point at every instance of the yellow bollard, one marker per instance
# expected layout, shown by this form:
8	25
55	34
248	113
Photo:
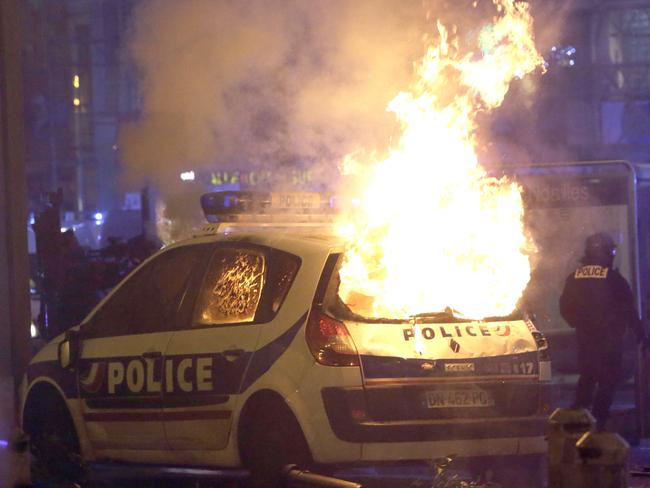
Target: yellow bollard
565	427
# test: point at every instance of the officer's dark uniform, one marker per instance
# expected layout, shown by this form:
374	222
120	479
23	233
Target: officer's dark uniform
598	302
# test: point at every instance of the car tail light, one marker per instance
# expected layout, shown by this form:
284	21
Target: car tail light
329	340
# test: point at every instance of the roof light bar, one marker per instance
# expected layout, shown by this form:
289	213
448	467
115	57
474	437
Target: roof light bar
249	206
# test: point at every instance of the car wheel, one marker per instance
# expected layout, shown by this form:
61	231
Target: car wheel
54	447
271	439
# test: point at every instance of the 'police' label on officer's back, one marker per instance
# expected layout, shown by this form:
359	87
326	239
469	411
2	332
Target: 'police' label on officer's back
591	271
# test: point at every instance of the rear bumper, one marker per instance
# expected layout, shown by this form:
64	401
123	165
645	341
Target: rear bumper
346	412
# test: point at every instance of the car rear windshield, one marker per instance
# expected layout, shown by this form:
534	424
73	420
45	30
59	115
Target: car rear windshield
360	309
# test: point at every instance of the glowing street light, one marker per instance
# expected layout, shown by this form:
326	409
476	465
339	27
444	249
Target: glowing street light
187	176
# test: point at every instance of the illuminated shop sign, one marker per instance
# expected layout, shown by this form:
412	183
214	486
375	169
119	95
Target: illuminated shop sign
258	178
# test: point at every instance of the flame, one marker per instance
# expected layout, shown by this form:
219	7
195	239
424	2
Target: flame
432	230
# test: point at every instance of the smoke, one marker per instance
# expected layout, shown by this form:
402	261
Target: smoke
528	127
270	84
276	85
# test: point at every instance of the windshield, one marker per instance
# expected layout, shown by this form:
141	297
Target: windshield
359	308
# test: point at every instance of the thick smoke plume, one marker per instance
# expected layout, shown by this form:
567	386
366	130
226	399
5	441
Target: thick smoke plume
266	83
283	84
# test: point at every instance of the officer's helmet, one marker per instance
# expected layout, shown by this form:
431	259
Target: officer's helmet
600	246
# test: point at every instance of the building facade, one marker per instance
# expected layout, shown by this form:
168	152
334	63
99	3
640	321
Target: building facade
78	87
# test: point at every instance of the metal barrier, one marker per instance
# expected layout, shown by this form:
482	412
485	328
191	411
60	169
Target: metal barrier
297	477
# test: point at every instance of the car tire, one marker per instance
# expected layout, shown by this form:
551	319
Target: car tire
55	459
271	439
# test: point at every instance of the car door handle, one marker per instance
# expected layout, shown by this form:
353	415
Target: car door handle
152	354
233	353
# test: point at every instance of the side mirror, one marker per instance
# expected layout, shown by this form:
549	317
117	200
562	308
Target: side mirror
69	349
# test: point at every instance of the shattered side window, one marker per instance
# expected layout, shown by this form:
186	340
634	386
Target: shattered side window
285	266
232	288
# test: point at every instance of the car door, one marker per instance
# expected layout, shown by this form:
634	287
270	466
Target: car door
242	291
120	371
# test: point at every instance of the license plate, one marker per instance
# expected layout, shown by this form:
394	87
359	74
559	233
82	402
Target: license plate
475	397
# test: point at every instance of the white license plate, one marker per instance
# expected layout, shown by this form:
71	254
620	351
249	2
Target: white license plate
474	397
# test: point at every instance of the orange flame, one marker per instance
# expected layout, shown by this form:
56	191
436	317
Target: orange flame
447	235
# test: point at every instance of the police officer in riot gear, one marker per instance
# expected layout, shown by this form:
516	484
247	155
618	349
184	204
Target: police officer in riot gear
597	301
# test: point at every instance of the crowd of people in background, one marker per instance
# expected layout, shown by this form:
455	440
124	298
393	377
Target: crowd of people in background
69	279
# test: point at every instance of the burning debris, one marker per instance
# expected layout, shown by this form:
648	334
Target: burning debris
450	219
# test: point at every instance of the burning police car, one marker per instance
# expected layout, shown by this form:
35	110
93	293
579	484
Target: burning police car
235	348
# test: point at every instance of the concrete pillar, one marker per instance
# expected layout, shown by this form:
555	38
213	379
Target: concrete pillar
14	264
